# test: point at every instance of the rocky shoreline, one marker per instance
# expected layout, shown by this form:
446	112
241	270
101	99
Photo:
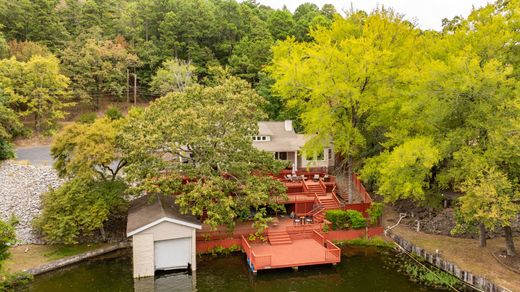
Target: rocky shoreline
21	188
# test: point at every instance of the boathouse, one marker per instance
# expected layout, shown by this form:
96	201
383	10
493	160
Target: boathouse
162	237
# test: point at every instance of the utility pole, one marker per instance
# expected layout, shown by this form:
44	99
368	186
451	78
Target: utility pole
127	86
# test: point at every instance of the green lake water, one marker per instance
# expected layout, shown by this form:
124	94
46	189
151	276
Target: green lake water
361	269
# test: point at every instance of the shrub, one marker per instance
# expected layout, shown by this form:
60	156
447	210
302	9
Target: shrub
344	219
79	207
356	219
113	113
6	149
7	238
375	211
14	281
86	118
338	218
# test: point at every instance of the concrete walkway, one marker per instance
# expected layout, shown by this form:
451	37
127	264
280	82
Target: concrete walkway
36	155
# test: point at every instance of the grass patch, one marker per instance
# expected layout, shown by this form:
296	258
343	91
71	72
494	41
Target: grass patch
29	256
374	241
13	282
430	275
61	251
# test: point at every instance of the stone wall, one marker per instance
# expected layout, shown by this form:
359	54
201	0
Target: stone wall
21	187
447	266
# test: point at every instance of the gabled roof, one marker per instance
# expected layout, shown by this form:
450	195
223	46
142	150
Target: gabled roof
281	139
150	210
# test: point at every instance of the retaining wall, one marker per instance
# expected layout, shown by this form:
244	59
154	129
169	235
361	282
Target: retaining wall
77	258
438	261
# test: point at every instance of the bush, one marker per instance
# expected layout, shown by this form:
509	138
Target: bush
113	113
7	238
356	219
6	149
86	118
15	281
344	219
338	218
79	207
375	212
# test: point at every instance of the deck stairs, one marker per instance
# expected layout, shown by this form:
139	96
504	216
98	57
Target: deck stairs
327	204
316	189
277	237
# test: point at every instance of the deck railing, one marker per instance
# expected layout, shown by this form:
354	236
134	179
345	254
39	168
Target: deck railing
361	188
323	186
318	237
257	261
305	187
333	252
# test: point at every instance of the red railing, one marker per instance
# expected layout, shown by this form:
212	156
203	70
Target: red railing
361	189
257	261
333	252
318	237
323	186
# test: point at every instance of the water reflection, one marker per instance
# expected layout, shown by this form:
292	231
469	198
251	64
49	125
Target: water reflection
167	281
360	270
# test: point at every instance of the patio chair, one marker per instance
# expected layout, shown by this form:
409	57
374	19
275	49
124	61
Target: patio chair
297	221
326	177
316	177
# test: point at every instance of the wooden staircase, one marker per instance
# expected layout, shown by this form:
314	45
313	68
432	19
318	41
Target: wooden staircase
278	237
316	189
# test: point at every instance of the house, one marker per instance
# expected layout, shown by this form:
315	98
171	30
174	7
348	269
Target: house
162	237
280	139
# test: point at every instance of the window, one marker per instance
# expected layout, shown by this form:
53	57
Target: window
261	138
280	155
320	156
330	153
264	138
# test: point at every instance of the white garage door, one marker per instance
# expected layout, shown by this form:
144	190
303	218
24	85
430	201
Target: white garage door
172	254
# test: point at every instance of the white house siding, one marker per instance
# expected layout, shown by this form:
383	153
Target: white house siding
318	163
143	255
144	259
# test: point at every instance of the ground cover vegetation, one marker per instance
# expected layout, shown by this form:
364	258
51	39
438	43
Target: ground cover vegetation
414	112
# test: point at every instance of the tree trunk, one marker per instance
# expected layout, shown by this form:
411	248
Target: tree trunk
103	235
350	180
510	245
482	234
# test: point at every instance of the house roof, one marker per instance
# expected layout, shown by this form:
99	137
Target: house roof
281	139
150	210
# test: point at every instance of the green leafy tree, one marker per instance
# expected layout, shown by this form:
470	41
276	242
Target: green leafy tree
98	67
337	81
7	238
90	150
36	88
197	144
24	51
173	76
10	126
80	208
491	200
33	20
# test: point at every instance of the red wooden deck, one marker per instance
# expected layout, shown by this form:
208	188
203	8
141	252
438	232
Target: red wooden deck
309	248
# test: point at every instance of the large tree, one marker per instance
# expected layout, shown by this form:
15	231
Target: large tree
91	151
337	80
36	88
197	145
98	67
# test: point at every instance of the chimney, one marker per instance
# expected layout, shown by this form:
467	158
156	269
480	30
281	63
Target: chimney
288	125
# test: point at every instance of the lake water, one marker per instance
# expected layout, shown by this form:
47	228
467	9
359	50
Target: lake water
361	269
